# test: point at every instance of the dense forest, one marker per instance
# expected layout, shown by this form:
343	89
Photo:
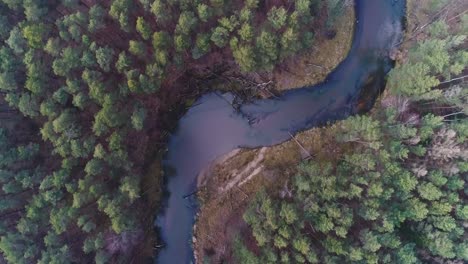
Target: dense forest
84	86
395	191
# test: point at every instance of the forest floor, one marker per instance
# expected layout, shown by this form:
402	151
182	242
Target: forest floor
231	181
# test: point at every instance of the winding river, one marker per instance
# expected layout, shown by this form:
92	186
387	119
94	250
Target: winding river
212	128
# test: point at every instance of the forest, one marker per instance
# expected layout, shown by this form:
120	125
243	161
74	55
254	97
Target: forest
395	191
86	87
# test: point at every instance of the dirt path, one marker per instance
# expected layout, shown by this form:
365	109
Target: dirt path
253	168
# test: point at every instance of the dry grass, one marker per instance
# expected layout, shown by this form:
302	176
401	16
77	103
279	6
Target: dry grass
313	66
151	196
220	217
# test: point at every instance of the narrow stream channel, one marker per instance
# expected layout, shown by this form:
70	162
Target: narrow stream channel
212	128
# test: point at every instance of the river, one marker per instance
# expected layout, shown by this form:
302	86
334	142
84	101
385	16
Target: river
212	128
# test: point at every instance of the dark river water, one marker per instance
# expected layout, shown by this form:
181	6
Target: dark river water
212	128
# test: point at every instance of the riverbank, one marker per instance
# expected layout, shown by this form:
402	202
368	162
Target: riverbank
216	73
326	199
313	66
224	195
227	186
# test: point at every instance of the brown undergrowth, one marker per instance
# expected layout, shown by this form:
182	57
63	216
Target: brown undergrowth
313	66
232	181
220	218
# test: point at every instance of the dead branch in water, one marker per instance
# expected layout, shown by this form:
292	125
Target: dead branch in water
190	194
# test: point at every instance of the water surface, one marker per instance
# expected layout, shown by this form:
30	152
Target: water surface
212	127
